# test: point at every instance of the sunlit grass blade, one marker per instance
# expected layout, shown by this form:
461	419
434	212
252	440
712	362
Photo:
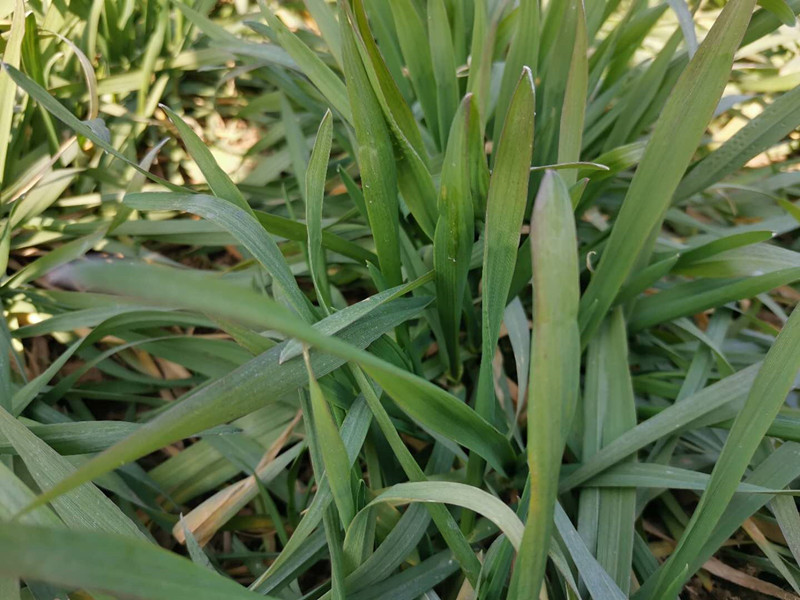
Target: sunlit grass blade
554	377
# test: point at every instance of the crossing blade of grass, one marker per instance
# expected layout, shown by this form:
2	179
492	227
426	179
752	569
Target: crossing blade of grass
422	400
375	160
770	387
677	133
459	494
696	296
554	377
86	506
111	563
315	194
455	231
778	470
607	516
245	228
760	133
218	180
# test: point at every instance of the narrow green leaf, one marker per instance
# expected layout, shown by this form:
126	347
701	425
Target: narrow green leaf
505	209
242	225
315	194
334	454
375	159
444	67
573	112
422	400
85	507
411	33
455	232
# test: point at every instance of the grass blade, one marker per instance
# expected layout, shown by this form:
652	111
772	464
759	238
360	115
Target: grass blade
455	231
555	360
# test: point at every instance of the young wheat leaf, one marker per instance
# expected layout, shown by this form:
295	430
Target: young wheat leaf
555	364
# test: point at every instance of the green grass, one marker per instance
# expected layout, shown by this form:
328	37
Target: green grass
396	300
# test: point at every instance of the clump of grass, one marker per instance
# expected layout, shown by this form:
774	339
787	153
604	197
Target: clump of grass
477	299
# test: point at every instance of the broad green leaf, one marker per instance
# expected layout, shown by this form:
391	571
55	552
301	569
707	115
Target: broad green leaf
677	133
554	377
